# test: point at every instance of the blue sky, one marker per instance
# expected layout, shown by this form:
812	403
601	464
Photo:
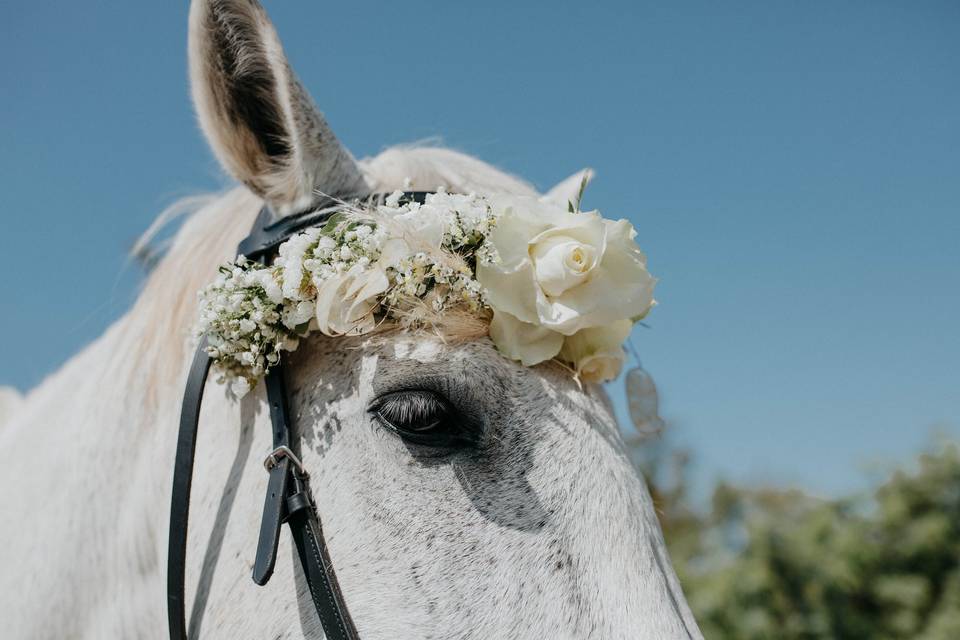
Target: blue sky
793	170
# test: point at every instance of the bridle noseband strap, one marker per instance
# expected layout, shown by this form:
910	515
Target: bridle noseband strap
288	497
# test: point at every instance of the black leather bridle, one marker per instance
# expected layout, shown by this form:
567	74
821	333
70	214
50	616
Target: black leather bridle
288	496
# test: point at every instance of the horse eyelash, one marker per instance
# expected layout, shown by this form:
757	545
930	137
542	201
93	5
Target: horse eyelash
410	408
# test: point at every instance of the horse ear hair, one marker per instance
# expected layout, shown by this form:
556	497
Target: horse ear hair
568	190
261	123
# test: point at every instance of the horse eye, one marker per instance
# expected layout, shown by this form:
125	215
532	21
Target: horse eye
423	417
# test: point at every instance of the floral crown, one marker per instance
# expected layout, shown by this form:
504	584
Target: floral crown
553	282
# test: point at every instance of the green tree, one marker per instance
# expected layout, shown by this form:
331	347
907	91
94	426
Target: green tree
777	563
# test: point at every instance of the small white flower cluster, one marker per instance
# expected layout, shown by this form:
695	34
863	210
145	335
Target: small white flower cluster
405	262
241	313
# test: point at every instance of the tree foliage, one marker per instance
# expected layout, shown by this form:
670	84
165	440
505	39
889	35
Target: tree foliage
777	563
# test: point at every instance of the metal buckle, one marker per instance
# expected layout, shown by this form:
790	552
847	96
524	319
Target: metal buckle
274	457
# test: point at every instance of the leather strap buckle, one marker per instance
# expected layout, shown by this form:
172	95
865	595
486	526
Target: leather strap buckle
274	457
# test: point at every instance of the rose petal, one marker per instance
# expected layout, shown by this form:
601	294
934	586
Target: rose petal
528	343
326	295
393	251
512	235
589	341
513	290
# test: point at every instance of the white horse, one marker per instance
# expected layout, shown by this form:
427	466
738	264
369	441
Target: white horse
546	533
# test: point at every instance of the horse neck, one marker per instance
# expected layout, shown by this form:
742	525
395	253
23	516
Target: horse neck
98	468
101	434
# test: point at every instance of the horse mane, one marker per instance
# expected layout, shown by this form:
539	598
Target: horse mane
159	324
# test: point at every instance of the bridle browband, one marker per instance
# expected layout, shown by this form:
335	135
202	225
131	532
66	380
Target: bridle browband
288	497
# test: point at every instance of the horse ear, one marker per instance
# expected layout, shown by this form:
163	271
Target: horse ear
262	125
569	189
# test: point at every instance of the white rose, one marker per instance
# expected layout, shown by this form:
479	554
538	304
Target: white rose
559	272
345	302
426	223
597	353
